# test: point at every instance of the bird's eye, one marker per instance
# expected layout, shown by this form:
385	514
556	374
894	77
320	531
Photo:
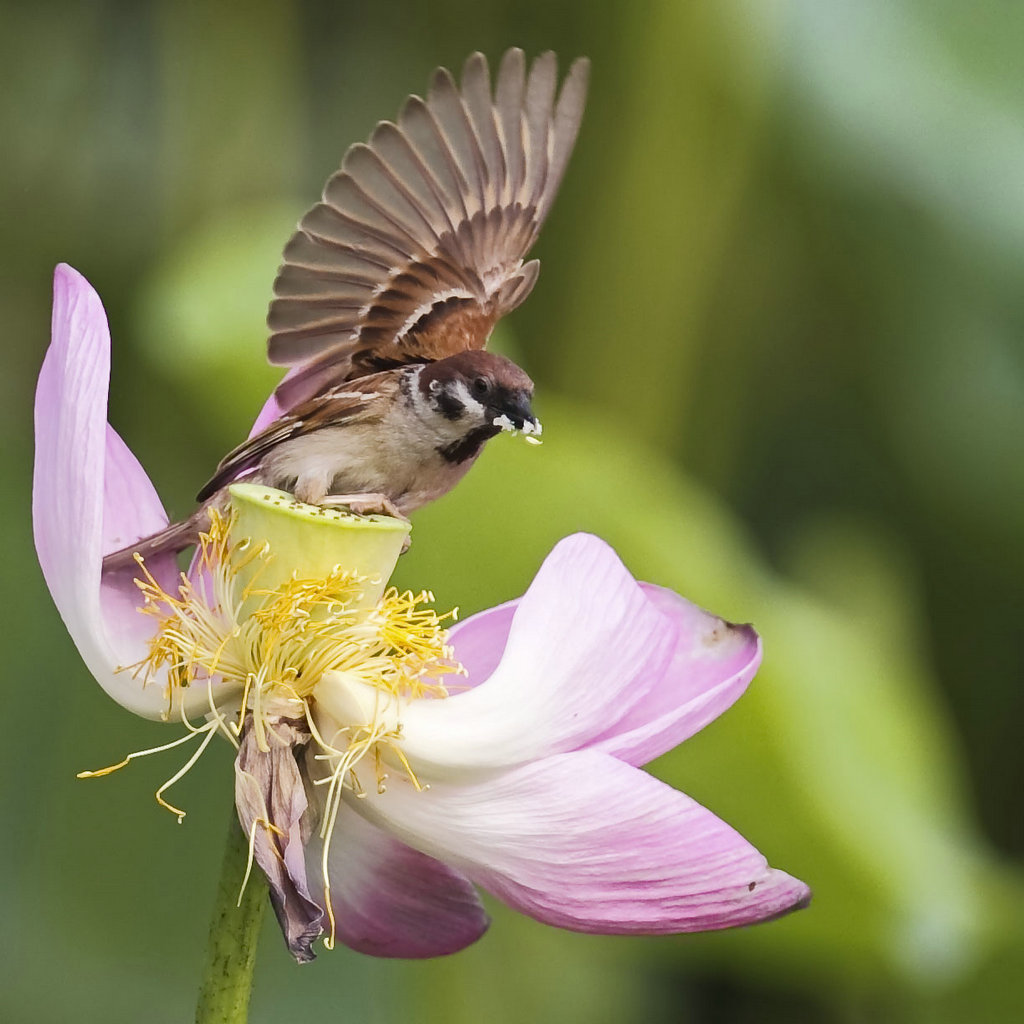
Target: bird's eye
481	387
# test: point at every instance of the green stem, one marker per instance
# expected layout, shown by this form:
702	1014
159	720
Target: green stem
234	934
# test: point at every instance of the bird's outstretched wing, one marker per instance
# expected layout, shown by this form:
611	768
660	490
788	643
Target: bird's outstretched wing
417	247
346	404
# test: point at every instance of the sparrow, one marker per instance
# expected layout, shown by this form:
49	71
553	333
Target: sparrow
388	292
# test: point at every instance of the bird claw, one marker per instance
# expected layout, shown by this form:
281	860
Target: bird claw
371	504
368	505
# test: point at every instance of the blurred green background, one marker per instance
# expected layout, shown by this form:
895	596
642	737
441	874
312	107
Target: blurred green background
777	340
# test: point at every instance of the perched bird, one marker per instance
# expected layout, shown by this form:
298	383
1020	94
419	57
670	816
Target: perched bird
389	290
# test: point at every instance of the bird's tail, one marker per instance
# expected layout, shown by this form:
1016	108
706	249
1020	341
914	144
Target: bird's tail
175	537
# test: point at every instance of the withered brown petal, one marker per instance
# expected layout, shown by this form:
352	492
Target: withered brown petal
271	800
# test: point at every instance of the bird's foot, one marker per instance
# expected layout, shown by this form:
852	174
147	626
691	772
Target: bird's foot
371	504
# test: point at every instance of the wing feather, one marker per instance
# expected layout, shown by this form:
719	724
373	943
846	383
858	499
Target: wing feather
418	213
396	152
476	98
508	103
418	244
566	127
537	111
420	126
457	135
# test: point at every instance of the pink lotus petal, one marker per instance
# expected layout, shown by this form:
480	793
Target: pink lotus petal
586	842
131	509
270	412
89	496
584	648
712	665
390	900
480	640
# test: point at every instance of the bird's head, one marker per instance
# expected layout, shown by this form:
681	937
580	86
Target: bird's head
480	391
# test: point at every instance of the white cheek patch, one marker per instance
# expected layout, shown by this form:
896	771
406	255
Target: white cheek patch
472	406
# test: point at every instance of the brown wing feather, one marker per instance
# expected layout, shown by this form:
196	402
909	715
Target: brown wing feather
417	248
348	403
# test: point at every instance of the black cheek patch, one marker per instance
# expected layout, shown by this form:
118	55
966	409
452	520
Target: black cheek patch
448	405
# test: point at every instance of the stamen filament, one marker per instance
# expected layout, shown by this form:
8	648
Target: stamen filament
100	772
270	827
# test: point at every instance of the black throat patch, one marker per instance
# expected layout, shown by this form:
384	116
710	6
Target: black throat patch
468	447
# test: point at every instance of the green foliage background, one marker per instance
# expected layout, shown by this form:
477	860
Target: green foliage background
777	340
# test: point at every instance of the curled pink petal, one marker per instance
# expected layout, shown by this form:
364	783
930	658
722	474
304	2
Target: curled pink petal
584	644
90	495
586	842
711	666
390	900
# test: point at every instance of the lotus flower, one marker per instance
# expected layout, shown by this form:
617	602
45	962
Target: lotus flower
385	792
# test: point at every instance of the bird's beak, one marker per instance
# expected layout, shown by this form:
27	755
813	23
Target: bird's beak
518	415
